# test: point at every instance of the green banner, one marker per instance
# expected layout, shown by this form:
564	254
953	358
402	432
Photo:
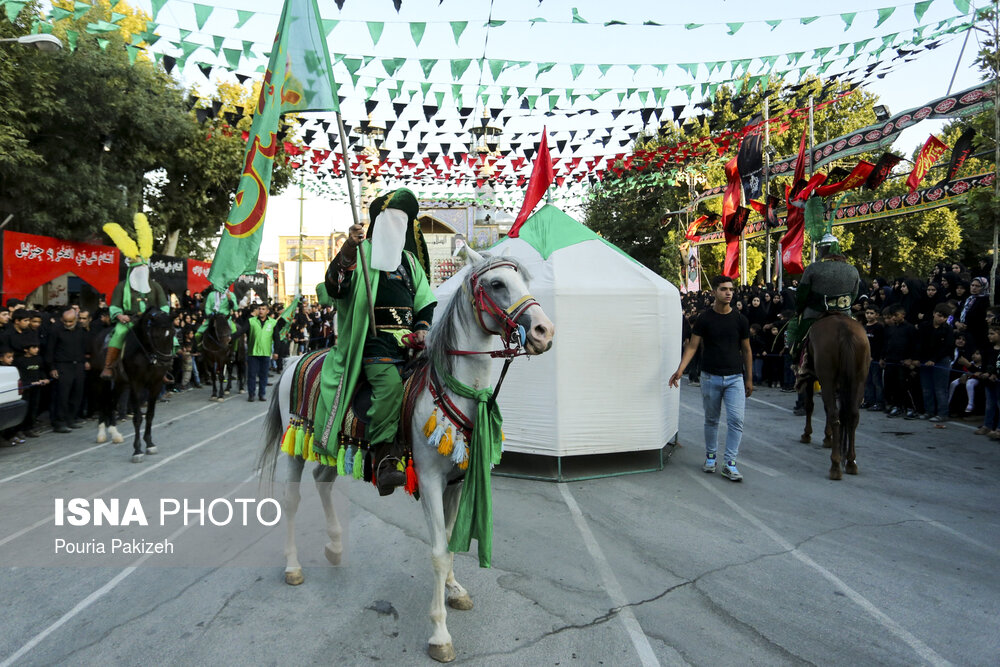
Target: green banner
298	78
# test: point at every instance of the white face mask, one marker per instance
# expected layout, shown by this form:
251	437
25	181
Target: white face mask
138	278
388	239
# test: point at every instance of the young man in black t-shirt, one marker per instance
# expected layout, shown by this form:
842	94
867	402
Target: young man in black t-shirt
726	373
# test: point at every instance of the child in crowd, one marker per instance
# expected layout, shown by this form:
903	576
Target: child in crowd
898	354
936	344
964	365
31	369
9	437
988	378
757	349
874	390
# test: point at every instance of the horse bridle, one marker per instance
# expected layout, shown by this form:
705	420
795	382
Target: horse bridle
155	357
483	305
512	334
210	333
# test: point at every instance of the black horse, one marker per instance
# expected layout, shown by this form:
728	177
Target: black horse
147	355
215	351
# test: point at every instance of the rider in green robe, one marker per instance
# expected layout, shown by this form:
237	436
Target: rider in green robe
218	302
130	299
404	304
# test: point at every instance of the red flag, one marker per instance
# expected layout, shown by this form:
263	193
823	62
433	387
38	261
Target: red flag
730	203
541	178
693	228
929	154
791	242
855	179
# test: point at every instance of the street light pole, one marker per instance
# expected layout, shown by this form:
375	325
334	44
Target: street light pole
298	270
41	41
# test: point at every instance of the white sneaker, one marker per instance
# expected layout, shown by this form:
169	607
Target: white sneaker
729	471
709	464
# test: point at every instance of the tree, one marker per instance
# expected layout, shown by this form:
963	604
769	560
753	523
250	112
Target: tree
629	208
88	136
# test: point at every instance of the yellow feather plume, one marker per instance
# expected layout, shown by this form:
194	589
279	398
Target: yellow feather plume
143	234
121	239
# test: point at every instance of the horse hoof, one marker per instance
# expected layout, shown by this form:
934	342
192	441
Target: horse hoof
806	439
827	444
227	392
835	473
461	602
117	439
443	653
137	458
294	577
101	438
851	468
243	391
332	556
151	449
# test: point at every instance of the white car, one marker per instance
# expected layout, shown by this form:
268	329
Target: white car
12	406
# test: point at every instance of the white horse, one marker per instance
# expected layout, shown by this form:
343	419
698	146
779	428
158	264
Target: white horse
494	301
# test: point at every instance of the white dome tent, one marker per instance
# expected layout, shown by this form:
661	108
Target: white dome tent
604	386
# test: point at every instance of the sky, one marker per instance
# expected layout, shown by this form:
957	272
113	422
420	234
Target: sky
557	39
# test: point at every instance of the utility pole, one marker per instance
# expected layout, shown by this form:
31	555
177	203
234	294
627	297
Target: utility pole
302	201
812	165
767	173
996	145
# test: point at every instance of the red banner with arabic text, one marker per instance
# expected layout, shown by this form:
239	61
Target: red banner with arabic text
197	275
30	261
929	154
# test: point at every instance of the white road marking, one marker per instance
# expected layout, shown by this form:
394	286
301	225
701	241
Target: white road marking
611	585
98	594
921	649
145	470
90	449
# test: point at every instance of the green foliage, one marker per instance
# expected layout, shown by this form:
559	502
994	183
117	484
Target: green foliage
87	137
629	209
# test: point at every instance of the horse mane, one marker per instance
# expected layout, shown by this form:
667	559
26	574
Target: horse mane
442	336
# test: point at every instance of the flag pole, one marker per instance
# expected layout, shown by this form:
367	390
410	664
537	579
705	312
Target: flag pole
357	221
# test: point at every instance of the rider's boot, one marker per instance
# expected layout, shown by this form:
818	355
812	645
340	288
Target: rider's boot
387	476
109	362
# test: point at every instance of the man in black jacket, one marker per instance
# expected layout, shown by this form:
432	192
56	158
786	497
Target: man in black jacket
67	358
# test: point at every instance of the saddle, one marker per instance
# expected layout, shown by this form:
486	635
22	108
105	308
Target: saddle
351	452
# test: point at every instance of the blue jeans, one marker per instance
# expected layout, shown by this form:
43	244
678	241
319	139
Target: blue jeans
992	413
874	393
934	383
257	372
716	389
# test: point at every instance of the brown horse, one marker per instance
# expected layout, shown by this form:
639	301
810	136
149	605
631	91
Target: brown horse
838	347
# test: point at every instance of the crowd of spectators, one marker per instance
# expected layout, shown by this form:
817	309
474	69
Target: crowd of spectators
935	343
54	349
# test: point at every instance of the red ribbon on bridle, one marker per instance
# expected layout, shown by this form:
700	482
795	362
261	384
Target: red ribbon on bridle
485	305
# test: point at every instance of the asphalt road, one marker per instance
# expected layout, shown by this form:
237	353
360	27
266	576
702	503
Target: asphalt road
897	566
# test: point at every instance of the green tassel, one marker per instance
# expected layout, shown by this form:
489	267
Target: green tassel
300	439
359	464
341	461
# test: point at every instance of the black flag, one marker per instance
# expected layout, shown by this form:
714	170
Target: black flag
749	163
881	171
959	154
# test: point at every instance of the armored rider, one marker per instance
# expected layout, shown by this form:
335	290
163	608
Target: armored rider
403	305
827	285
137	292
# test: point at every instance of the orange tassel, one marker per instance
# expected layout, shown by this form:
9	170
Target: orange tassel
411	478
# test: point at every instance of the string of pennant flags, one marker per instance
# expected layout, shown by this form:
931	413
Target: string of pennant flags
203	12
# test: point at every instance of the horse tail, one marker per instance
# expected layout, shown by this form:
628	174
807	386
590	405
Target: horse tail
268	459
850	352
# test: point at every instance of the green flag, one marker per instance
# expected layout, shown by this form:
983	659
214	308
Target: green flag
298	78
